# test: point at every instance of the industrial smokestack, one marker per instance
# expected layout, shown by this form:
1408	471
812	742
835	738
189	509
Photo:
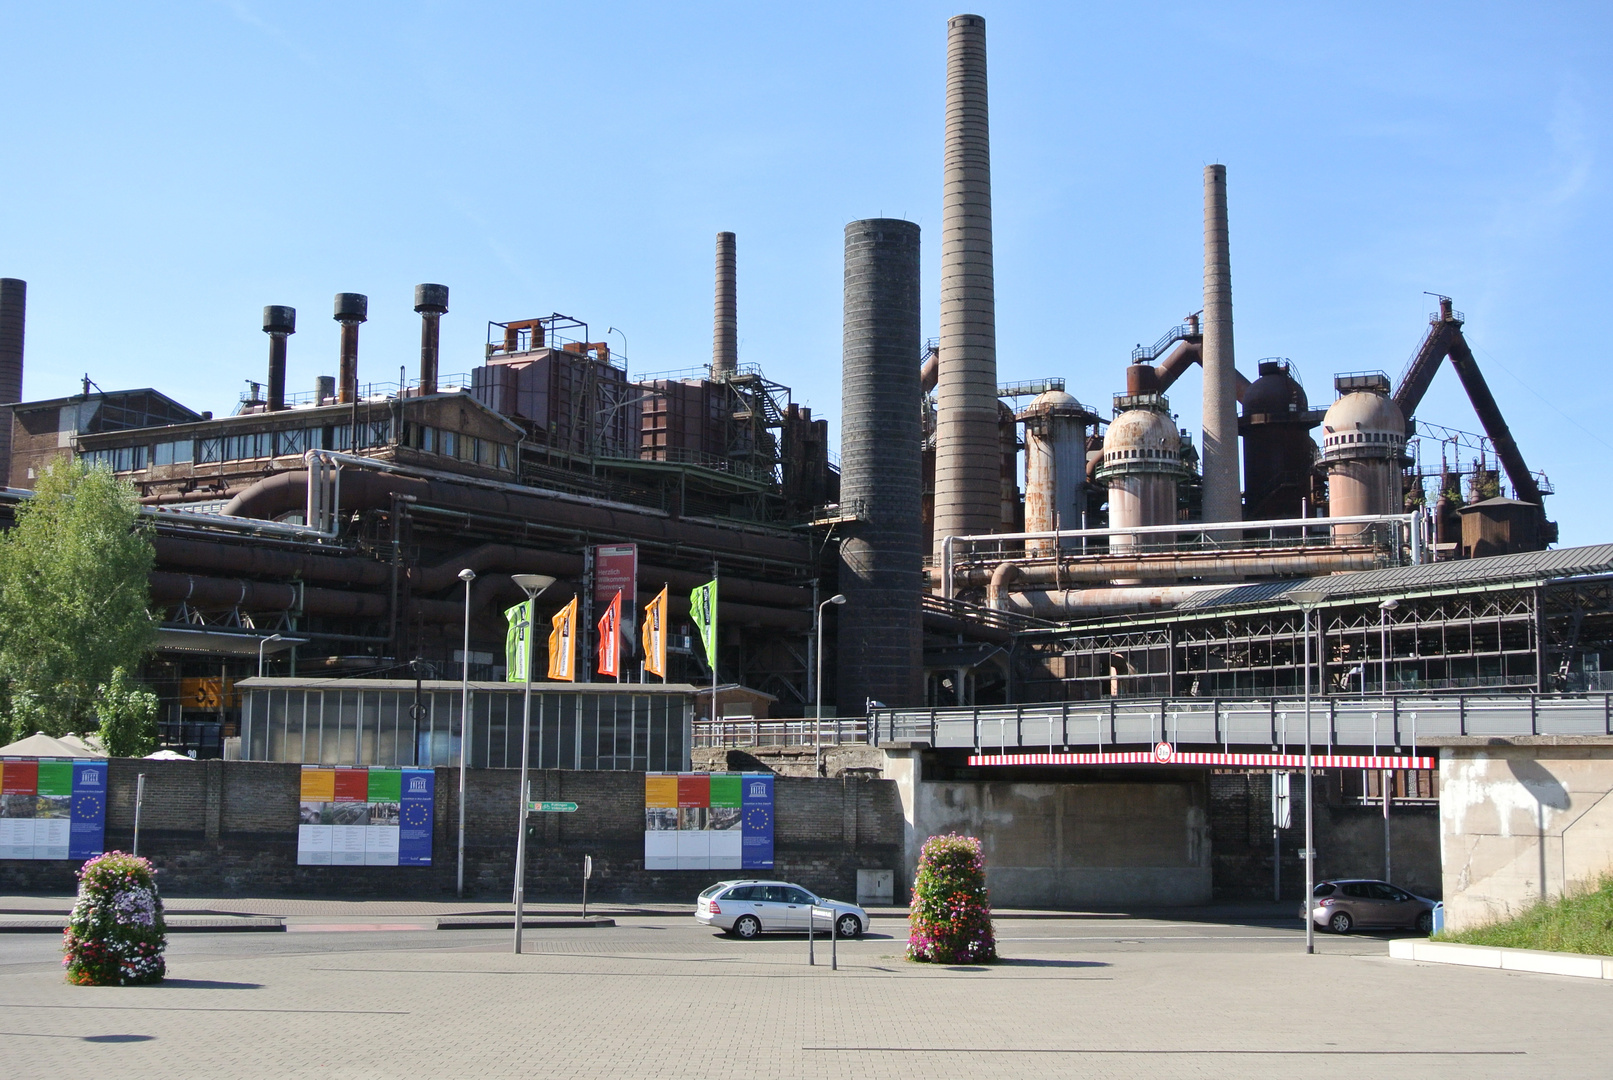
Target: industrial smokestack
1222	501
431	301
881	553
967	452
725	323
351	309
279	323
13	314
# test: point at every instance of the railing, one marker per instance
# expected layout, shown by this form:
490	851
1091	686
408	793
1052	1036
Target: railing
377	391
1270	723
833	730
1171	336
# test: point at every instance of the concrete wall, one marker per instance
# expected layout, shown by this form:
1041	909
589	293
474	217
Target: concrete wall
1521	820
230	827
1068	845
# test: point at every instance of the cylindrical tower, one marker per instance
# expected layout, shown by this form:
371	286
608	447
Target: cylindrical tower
351	309
881	555
1220	460
431	301
1277	450
1142	466
13	317
725	318
279	322
967	475
1055	465
1363	441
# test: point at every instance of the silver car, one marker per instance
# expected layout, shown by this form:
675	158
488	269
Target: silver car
750	907
1341	906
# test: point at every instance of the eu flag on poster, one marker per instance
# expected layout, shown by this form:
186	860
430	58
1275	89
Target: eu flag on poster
756	817
414	817
87	835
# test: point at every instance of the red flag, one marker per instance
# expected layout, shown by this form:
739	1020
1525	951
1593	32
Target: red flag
610	638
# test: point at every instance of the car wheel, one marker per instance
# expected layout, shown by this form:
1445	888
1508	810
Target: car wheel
1425	922
849	926
747	927
1340	923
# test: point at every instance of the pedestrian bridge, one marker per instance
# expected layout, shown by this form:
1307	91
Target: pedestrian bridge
1275	724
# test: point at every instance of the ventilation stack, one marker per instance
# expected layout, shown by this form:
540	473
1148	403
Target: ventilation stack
968	478
351	309
431	301
13	314
1222	500
279	322
881	555
725	321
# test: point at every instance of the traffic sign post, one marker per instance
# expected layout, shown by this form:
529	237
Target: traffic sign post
587	872
814	913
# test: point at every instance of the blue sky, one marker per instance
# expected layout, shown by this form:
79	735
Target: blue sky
166	170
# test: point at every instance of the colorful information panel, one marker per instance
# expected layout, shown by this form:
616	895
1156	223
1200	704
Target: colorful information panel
52	808
365	817
708	821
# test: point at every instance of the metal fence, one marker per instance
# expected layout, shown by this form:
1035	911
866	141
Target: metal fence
750	732
1243	722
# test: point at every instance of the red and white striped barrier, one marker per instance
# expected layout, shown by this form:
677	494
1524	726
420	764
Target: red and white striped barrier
1165	754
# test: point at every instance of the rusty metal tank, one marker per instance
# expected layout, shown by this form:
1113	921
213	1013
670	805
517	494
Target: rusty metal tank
1055	465
1278	453
1363	442
1142	466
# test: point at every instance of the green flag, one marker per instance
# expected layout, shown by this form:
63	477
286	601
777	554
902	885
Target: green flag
517	647
703	610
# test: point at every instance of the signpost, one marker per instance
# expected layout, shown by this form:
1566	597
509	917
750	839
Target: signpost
587	872
551	807
814	913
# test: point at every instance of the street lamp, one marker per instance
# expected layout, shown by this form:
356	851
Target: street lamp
1308	598
1383	628
466	575
261	645
817	739
533	585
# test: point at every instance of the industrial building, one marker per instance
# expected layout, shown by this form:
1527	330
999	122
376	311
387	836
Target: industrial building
994	543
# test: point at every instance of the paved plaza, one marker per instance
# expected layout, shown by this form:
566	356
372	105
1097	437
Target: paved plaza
365	990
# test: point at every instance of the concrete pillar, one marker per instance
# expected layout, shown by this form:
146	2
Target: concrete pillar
725	320
1222	500
967	462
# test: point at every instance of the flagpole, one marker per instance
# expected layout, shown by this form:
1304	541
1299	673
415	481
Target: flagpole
714	644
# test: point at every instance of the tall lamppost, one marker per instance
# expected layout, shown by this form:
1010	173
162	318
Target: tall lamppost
1307	598
817	739
533	585
261	644
466	575
1383	629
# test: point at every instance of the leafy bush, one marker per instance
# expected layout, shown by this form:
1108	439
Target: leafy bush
1581	922
949	921
128	713
116	934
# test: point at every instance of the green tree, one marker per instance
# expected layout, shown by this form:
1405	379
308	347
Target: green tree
73	598
128	716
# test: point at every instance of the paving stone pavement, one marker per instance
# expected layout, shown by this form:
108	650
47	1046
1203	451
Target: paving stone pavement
661	996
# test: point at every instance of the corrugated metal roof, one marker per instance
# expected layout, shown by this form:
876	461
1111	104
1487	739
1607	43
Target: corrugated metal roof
1497	569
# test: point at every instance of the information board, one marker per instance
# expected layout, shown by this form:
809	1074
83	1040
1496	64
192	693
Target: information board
708	821
365	817
52	808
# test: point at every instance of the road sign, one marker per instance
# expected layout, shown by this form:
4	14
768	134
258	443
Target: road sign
552	807
1164	751
1282	806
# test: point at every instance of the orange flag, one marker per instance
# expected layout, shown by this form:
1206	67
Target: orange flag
655	635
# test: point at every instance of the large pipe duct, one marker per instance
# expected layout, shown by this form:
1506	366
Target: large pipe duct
351	309
1222	501
968	479
13	317
431	301
279	322
1165	567
1061	605
725	318
881	554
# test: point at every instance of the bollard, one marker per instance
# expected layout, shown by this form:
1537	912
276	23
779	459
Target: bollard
139	798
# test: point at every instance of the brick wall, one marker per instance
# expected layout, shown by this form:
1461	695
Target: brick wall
230	828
